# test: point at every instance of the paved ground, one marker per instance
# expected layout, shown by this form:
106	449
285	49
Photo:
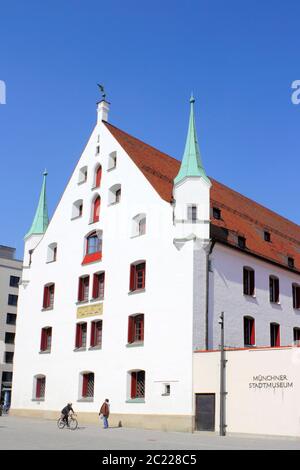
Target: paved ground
24	433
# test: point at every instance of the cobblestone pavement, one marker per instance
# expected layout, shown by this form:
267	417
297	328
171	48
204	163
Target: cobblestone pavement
25	433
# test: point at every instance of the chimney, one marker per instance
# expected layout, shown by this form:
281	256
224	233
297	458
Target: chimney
102	111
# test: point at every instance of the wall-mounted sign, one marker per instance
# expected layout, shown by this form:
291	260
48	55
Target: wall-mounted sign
270	382
89	310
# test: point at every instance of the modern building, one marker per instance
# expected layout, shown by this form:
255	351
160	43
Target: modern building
129	278
10	274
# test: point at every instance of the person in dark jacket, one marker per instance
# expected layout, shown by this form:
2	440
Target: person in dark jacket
66	411
104	412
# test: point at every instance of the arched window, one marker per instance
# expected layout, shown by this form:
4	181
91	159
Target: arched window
87	384
96	209
98	174
136	328
39	387
139	225
93	247
77	208
112	160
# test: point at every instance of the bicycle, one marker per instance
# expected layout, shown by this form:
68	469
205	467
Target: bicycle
73	423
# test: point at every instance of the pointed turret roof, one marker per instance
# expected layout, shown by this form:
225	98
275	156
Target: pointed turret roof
41	219
191	164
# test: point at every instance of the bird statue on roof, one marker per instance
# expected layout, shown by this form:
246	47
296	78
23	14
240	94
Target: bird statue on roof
101	88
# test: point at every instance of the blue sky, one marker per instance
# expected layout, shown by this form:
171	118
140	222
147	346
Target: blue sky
238	57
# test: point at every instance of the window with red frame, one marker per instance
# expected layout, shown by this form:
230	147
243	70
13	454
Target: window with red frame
135	328
98	286
274	335
46	338
48	300
96	333
88	385
83	288
98	177
40	388
81	333
137	276
138	384
96	209
249	331
297	336
93	251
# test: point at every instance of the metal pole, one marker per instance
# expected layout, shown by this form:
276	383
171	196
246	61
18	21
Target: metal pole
222	380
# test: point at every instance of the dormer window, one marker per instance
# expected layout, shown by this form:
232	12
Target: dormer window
216	213
242	242
267	236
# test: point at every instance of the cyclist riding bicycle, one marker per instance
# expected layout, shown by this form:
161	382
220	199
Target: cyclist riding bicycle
65	412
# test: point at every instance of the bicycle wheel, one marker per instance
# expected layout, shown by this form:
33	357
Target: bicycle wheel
61	423
73	423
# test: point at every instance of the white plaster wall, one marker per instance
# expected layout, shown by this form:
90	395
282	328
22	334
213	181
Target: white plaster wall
226	294
269	411
166	303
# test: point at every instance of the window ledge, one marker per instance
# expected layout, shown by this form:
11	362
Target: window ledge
81	182
114	203
137	344
86	400
38	399
51	261
80	349
81	302
48	351
97	299
46	309
135	400
95	187
138	235
112	168
137	291
165	394
77	217
95	348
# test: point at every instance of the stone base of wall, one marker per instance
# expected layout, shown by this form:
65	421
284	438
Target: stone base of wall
179	423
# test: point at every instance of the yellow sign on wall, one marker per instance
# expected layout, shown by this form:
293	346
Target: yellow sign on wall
89	310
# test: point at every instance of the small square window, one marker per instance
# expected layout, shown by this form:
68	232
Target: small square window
14	281
216	213
267	236
166	390
291	262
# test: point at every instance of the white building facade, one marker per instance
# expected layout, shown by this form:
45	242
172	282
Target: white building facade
130	276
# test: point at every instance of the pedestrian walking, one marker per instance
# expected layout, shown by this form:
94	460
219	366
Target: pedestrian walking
104	413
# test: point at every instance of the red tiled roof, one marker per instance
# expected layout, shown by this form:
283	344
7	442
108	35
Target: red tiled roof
240	216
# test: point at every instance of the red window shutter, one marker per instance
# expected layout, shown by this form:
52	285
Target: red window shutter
252	335
78	336
93	334
98	176
133	384
85	380
130	329
46	297
96	286
38	388
96	209
142	327
80	289
132	277
43	340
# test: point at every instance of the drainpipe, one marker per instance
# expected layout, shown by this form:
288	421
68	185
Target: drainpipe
209	252
222	379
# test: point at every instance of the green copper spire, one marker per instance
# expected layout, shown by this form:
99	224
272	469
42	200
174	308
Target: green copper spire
191	164
41	220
